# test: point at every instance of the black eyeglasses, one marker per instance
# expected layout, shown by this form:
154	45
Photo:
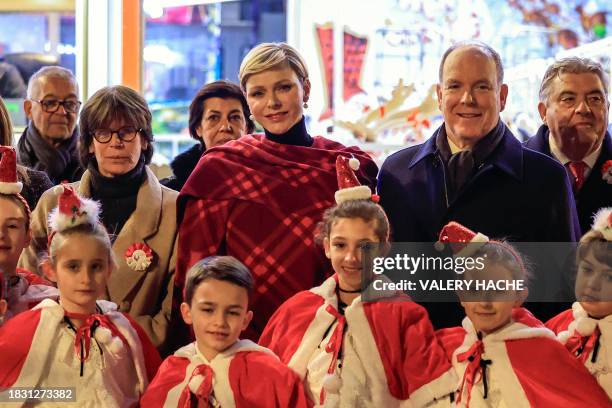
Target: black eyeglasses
125	134
52	105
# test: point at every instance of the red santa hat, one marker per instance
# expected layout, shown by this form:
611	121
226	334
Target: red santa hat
462	240
8	171
73	210
349	188
602	223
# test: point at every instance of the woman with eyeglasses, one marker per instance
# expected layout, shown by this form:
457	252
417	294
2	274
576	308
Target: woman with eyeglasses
115	148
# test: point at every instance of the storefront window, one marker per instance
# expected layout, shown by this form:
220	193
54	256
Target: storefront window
188	46
29	41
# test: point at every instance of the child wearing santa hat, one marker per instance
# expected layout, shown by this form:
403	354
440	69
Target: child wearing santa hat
349	351
219	369
23	289
586	329
503	355
80	342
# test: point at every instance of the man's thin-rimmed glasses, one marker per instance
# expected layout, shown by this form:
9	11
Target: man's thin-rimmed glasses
125	134
52	105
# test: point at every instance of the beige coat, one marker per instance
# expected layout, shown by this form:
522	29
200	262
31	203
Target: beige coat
146	295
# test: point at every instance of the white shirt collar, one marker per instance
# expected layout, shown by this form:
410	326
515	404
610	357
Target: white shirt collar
453	147
561	157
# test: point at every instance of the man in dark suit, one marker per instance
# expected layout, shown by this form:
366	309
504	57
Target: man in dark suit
473	170
574	108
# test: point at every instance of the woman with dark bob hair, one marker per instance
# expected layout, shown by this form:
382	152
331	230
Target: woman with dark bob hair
218	114
115	148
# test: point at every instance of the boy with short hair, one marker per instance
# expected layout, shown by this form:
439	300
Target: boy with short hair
219	369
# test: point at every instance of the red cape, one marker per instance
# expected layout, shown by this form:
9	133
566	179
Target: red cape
398	348
260	201
530	366
17	342
251	378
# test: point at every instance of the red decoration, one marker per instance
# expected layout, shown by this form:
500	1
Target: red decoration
325	35
354	55
606	171
8	171
139	256
69	203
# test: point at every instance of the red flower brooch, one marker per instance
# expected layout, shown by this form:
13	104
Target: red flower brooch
606	171
139	256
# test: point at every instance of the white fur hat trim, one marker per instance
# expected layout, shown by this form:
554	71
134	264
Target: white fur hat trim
472	246
353	193
11	188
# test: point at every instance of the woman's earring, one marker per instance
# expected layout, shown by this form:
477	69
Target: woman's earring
252	117
305	105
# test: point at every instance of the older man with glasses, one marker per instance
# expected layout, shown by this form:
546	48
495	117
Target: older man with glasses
49	143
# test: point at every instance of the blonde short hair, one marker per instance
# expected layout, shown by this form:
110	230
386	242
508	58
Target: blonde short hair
267	56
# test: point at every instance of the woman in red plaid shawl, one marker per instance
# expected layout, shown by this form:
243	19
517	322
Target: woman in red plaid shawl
260	197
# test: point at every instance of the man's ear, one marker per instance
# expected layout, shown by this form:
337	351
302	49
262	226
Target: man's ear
503	96
186	313
439	94
542	111
27	107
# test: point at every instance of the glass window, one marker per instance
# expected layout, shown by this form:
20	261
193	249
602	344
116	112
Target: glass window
188	46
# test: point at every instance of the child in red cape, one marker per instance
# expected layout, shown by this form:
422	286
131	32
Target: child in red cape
80	342
23	289
586	329
351	352
219	369
502	354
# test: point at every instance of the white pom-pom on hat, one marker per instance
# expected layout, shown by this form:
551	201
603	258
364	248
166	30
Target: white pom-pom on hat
354	163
